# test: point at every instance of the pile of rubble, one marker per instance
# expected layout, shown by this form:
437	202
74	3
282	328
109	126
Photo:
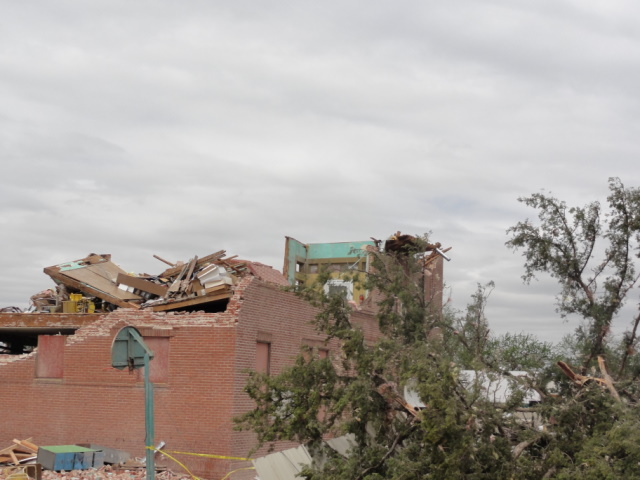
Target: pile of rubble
19	451
107	472
96	284
22	460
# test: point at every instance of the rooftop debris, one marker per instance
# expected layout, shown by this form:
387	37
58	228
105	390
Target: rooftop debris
95	283
403	244
19	452
18	461
111	472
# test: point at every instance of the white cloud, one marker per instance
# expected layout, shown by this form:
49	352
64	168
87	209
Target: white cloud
136	128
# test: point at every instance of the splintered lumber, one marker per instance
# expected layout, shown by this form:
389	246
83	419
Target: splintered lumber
103	289
175	286
16	446
237	267
171	272
26	444
141	284
186	282
20	450
217	289
189	302
164	261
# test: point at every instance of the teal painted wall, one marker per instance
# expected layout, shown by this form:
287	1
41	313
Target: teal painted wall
320	251
294	249
337	250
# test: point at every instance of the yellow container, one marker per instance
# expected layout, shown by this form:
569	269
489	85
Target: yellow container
75	297
18	476
69	306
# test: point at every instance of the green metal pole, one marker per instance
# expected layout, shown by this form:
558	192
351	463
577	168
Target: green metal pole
148	417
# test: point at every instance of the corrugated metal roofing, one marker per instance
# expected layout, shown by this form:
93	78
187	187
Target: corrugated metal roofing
283	465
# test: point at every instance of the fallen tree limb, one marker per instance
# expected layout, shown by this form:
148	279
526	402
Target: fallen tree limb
608	381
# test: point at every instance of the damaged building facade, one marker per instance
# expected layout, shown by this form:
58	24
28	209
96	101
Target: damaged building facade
208	322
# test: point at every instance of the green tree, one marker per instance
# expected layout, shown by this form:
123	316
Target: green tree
588	430
459	433
592	255
592	258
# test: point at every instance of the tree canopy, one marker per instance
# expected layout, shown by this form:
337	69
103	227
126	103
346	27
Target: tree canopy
583	427
592	254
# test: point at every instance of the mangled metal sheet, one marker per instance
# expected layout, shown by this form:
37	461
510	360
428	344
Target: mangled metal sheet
283	465
286	465
343	445
493	387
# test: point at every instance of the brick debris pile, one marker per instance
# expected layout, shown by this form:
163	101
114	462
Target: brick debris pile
109	472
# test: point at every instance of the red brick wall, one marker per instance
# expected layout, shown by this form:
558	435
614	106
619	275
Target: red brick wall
268	313
50	356
434	285
95	403
201	369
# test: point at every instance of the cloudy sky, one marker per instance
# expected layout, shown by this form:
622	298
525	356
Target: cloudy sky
182	128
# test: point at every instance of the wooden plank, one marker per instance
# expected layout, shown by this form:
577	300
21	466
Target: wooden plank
15	444
175	286
237	268
190	302
186	282
14	459
218	288
20	450
164	261
4	451
142	284
26	444
56	275
196	288
101	277
204	260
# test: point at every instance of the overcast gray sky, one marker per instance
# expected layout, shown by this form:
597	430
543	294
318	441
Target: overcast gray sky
182	128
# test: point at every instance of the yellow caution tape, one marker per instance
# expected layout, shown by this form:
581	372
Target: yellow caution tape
175	460
220	457
237	470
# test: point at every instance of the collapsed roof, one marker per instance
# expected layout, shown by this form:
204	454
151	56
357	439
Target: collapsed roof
102	285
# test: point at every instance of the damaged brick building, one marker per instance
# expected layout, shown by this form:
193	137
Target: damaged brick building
208	322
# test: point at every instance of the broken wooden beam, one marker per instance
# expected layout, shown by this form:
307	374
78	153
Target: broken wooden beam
164	261
190	302
58	277
142	284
